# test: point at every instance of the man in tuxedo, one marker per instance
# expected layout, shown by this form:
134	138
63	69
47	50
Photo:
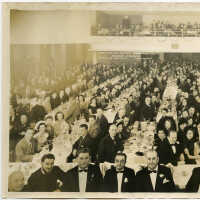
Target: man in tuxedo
170	151
154	177
85	177
48	178
119	178
109	146
194	181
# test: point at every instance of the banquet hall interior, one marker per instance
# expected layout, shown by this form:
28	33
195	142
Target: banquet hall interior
75	69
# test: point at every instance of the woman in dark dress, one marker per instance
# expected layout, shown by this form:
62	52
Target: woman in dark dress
189	147
159	138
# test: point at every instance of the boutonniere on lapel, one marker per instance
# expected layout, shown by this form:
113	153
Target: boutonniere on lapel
162	176
126	180
60	183
164	179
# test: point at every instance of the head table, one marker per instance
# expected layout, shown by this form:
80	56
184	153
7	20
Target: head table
181	173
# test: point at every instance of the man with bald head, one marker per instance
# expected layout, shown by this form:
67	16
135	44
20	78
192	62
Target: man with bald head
16	182
154	177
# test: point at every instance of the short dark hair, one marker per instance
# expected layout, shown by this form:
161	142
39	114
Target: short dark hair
182	121
48	156
188	128
84	126
83	150
120	153
59	112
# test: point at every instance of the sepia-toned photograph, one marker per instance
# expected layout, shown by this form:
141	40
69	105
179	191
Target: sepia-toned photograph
101	100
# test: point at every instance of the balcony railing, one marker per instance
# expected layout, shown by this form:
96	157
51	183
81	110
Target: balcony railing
148	32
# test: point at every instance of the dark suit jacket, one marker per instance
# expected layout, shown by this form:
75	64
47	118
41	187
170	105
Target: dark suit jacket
108	149
144	184
54	102
147	113
166	153
94	180
39	182
111	183
104	126
194	181
87	142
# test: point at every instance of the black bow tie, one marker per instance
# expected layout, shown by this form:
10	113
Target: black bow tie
122	171
152	171
83	170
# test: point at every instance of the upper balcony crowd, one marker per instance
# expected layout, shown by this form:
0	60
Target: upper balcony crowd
157	28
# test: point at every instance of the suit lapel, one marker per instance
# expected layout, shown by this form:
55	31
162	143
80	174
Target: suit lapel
88	178
76	179
170	147
115	181
123	179
149	183
158	181
81	140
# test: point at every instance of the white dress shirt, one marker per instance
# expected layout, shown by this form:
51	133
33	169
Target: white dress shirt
174	149
199	189
119	180
82	181
153	177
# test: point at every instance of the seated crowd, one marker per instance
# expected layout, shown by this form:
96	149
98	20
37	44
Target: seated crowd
133	94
